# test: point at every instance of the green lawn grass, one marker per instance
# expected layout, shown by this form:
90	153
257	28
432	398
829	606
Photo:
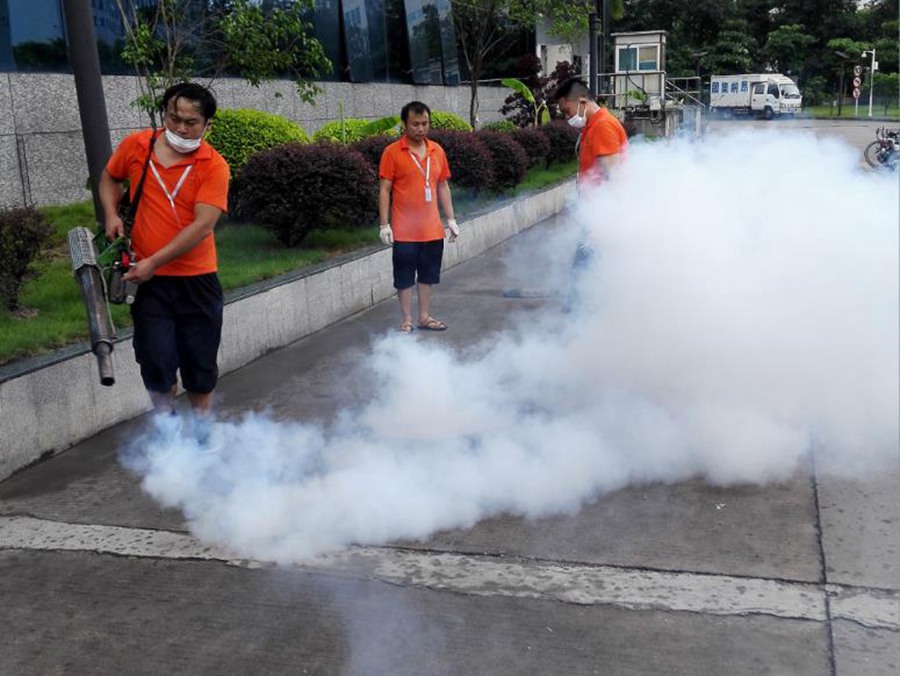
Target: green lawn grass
55	313
848	111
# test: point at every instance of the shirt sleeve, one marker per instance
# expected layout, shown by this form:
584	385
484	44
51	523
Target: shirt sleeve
117	166
606	140
386	166
445	166
213	188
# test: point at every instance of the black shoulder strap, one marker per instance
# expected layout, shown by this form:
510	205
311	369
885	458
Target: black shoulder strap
133	205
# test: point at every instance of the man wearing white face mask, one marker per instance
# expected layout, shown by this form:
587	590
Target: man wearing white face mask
178	307
603	139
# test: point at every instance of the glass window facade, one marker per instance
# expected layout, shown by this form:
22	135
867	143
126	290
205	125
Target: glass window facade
366	40
32	35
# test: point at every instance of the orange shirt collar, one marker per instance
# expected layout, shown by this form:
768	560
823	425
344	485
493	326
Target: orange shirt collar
429	144
595	118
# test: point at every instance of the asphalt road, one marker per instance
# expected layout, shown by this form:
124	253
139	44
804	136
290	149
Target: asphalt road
794	578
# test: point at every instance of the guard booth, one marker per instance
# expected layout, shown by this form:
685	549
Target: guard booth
639	92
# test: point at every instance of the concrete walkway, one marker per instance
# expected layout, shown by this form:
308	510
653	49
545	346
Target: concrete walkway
795	578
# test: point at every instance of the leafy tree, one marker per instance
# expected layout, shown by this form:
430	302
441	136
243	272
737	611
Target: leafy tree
787	48
174	40
484	27
886	87
735	49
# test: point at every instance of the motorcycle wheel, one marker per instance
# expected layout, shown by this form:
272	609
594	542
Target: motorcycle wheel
876	154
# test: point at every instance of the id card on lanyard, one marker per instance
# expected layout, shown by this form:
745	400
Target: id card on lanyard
426	172
172	195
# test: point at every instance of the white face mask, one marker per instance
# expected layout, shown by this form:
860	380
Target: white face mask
182	145
578	121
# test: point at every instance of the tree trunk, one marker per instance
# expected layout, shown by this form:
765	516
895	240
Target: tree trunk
473	103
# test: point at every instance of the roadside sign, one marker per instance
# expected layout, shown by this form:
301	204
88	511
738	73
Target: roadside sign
857	70
856	92
857	83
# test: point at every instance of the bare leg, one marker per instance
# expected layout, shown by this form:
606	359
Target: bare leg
424	293
163	402
405	297
201	404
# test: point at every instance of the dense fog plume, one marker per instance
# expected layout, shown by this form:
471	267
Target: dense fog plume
742	311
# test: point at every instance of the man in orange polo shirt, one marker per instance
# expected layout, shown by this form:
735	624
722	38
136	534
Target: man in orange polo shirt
601	146
603	140
414	174
177	312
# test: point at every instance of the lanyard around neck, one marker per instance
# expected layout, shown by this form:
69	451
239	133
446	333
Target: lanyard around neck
426	172
171	195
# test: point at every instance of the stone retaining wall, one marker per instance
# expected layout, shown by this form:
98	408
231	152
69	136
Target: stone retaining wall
42	149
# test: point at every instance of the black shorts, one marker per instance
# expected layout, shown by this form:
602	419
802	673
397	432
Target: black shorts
417	262
178	326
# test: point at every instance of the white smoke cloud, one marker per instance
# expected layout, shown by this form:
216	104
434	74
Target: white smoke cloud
744	310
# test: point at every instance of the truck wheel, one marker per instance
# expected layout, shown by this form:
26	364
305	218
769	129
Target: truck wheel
768	113
727	114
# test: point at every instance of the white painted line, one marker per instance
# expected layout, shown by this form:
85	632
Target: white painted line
481	576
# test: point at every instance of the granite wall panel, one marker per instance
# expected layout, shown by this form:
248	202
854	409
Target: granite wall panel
40	113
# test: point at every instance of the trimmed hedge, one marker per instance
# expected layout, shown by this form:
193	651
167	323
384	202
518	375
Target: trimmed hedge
353	130
239	133
563	137
294	189
24	233
443	120
372	148
534	142
471	163
510	160
505	126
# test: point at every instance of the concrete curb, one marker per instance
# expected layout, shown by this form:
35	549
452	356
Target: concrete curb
50	403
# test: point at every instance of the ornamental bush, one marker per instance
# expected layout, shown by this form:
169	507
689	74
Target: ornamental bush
24	233
471	163
504	126
237	134
442	120
510	159
372	148
534	142
563	137
352	130
294	189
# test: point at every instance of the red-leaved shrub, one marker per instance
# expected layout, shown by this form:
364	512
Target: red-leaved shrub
510	159
563	137
372	147
24	234
471	163
535	144
294	189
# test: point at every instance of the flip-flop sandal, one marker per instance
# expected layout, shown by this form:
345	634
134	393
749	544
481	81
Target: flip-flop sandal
432	324
406	327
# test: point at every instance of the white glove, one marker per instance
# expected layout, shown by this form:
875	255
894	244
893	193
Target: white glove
386	235
453	227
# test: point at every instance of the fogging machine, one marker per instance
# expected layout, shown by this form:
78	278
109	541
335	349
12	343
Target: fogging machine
98	266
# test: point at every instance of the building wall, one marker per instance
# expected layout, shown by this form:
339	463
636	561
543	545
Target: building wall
42	156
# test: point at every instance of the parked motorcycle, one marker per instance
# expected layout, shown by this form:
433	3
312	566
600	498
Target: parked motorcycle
884	152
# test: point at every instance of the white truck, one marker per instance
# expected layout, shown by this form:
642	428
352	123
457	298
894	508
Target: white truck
766	95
